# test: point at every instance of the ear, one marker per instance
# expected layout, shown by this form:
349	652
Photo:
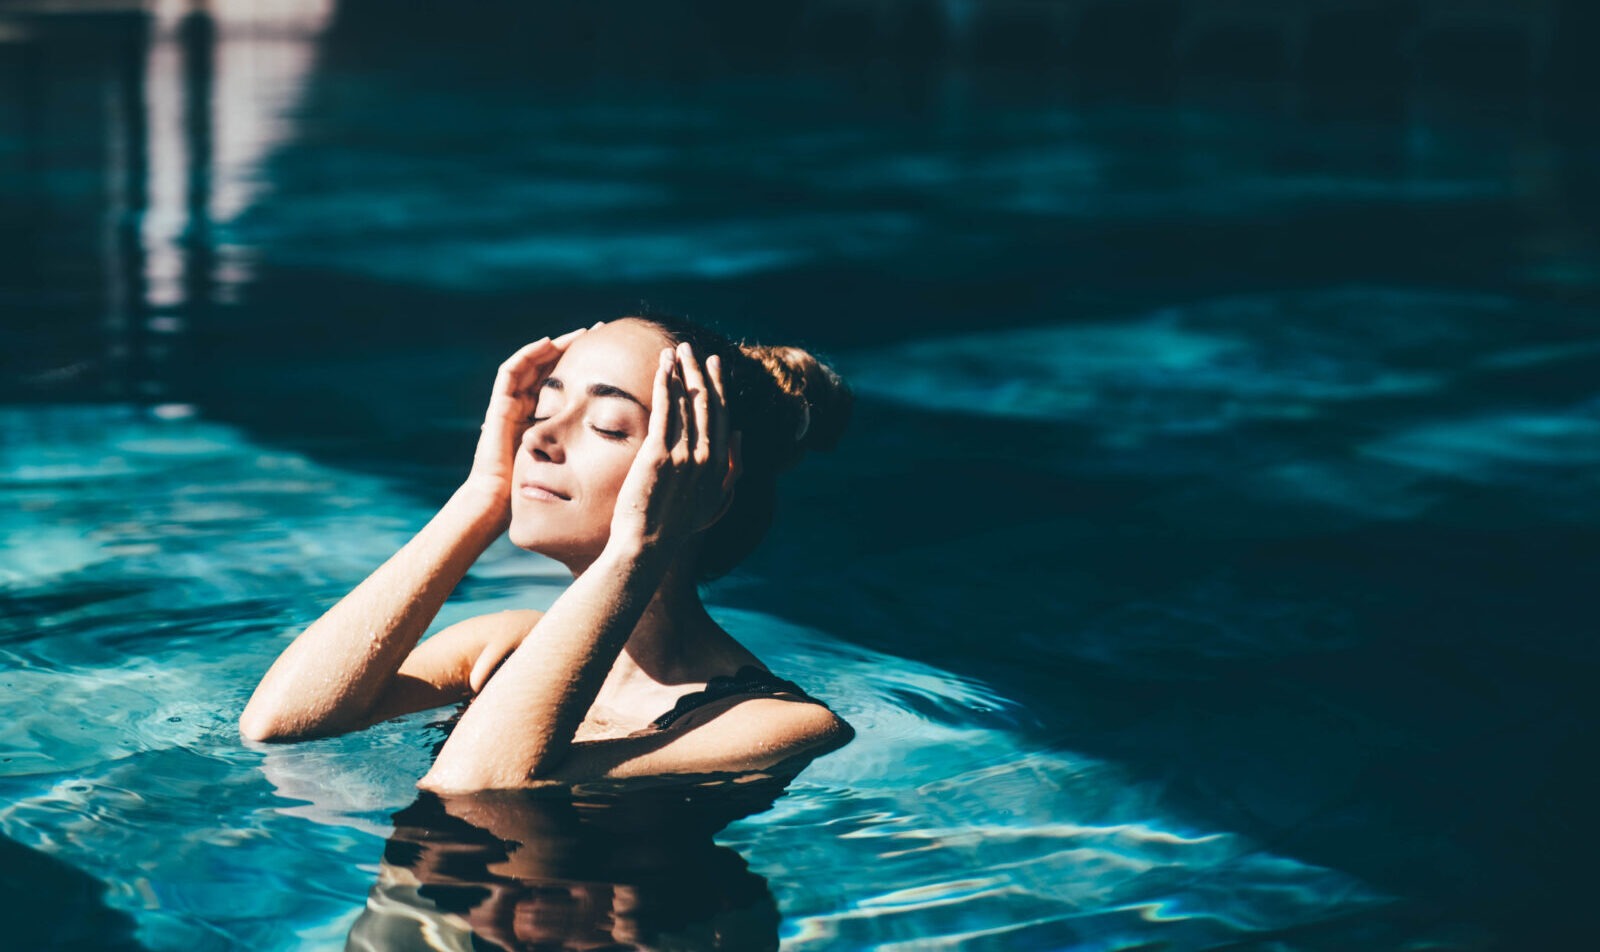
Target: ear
735	460
731	477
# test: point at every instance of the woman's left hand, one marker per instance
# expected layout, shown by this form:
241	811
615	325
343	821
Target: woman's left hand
680	481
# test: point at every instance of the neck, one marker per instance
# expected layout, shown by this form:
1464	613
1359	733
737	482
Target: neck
673	631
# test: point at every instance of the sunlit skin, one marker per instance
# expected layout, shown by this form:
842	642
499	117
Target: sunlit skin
608	450
590	417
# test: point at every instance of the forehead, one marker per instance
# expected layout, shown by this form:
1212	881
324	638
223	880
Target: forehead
620	353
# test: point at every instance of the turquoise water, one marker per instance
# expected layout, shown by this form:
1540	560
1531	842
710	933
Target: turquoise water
1210	563
156	567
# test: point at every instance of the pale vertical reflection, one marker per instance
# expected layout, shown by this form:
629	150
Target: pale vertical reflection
262	61
165	215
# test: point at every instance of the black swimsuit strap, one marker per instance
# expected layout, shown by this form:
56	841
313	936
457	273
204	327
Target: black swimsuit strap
749	680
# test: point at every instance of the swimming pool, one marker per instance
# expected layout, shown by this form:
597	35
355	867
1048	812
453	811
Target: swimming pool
1210	563
162	564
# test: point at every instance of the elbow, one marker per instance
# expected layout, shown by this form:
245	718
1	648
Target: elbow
458	772
272	727
447	782
819	732
433	782
274	723
262	729
254	729
439	781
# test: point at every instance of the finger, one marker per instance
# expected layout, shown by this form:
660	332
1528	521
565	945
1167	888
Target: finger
513	372
567	338
683	441
525	369
699	397
523	354
659	398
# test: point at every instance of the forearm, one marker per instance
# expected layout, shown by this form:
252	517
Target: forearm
334	672
523	722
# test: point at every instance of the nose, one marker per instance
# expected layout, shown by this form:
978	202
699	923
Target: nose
543	440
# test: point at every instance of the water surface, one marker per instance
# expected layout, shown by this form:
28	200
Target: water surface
1209	565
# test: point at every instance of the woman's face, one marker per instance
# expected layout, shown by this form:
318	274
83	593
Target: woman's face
590	420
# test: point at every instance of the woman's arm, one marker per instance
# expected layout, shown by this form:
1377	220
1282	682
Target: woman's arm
327	680
525	718
331	677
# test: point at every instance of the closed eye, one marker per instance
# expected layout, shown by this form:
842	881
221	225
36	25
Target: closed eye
611	434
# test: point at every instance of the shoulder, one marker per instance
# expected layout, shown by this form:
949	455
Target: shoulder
453	652
494	622
480	630
444	668
769	729
799	725
731	735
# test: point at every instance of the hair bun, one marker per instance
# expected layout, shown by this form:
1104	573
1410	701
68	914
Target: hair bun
816	400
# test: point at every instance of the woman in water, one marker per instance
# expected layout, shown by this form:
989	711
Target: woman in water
617	452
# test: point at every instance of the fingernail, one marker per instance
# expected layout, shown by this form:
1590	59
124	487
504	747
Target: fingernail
596	324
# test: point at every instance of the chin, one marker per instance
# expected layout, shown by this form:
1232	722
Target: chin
562	549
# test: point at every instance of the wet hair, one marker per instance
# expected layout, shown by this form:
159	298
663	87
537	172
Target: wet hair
785	403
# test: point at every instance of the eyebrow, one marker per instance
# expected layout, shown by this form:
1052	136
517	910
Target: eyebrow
598	390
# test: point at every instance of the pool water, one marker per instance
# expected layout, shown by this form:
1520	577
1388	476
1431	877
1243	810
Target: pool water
159	566
1210	563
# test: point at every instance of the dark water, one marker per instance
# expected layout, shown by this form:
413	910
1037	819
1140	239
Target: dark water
1230	422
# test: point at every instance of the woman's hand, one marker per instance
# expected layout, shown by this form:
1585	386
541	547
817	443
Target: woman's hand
516	392
681	480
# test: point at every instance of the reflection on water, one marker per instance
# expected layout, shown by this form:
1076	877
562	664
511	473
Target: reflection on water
198	154
191	100
573	870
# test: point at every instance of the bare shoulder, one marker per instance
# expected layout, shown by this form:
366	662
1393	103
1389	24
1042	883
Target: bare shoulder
496	620
731	735
493	623
797	724
780	726
442	668
460	644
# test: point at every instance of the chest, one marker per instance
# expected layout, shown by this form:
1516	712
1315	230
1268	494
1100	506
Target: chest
608	720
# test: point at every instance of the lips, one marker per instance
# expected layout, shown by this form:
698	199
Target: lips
533	490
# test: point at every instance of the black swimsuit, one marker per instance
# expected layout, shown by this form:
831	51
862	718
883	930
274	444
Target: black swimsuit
758	682
750	680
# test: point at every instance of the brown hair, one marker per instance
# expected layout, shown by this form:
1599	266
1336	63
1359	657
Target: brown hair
784	402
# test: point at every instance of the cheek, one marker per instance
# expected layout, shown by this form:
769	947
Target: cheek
604	478
616	473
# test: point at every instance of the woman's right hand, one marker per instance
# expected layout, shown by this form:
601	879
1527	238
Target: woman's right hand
516	392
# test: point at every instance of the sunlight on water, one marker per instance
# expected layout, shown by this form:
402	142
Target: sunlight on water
1332	405
183	557
1195	369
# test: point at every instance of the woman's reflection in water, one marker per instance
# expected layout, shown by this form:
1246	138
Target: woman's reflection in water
613	867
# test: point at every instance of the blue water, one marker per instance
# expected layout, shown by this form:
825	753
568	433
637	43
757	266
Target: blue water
164	563
1210	563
